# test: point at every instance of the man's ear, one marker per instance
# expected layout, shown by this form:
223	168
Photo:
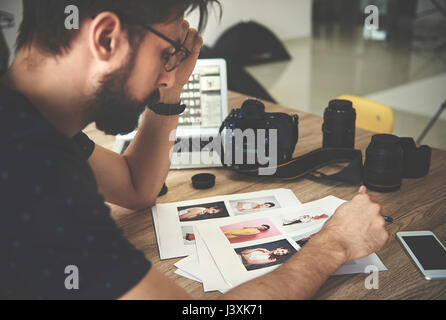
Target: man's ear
105	36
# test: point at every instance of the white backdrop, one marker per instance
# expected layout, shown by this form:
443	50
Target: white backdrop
288	19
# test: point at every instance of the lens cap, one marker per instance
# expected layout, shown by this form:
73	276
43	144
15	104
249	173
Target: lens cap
203	181
340	106
385	141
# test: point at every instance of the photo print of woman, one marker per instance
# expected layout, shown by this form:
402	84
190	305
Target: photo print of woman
188	235
245	206
265	254
303	219
250	230
203	211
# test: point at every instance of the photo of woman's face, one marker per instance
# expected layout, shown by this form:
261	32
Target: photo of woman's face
203	211
281	252
213	210
266	254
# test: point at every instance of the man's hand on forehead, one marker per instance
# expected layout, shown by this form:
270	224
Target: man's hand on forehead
190	38
185	26
192	41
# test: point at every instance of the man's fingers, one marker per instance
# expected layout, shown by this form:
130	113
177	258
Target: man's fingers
363	190
377	207
190	38
193	41
198	45
184	30
380	222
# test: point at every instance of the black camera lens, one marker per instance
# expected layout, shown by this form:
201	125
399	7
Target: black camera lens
339	125
384	163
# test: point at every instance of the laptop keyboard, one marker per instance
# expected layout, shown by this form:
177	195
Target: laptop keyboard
189	144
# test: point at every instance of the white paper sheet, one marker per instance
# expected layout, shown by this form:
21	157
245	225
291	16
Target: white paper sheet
360	265
209	273
206	273
187	275
226	256
171	231
191	266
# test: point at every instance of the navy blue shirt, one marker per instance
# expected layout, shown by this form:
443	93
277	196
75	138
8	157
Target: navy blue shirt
53	217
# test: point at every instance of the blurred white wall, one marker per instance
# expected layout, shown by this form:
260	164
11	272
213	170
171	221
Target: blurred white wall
288	19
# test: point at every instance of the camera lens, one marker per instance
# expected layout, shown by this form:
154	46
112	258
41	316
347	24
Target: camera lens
383	168
339	125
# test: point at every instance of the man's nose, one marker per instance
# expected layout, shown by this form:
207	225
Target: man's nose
166	79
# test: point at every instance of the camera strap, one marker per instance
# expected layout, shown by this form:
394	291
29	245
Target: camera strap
416	160
416	164
308	165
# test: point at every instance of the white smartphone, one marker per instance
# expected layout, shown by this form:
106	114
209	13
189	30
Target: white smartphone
428	253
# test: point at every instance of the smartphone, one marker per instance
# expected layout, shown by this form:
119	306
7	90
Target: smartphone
428	253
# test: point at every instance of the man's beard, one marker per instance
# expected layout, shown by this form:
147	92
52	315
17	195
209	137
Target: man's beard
115	111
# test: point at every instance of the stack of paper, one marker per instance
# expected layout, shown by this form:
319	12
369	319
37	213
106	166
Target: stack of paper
232	239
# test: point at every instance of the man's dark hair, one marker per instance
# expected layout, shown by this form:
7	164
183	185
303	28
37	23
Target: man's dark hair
44	20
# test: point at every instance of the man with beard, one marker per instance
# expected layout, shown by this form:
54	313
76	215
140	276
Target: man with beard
57	238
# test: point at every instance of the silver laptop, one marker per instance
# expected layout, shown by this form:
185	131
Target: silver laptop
206	97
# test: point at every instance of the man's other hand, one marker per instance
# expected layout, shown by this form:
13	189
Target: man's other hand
358	226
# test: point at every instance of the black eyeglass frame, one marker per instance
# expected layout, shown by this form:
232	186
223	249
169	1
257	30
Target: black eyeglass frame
177	45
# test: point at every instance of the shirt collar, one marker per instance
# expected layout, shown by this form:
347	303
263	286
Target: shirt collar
15	101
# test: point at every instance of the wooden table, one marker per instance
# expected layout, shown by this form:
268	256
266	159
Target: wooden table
419	205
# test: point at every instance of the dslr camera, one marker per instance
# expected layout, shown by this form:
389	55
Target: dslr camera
255	139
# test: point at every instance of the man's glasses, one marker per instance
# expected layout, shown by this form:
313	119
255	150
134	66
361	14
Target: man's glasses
172	60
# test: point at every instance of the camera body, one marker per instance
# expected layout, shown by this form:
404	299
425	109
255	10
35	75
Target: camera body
254	137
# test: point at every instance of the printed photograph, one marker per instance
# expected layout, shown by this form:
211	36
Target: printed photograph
247	206
203	211
250	230
304	219
188	235
265	254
